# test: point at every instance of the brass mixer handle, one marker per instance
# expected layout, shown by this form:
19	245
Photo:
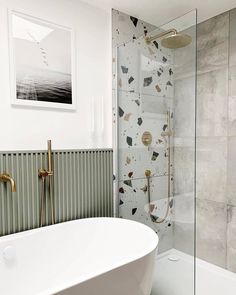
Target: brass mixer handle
148	173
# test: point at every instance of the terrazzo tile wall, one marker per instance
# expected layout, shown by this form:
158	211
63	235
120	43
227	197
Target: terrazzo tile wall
143	90
216	141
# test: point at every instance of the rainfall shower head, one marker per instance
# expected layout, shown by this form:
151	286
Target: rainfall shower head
176	41
171	39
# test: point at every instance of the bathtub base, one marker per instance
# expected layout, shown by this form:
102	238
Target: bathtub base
131	279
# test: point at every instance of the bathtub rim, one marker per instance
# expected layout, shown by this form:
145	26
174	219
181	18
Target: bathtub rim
29	232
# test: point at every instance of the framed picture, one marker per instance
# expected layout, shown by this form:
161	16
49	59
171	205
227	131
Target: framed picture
42	63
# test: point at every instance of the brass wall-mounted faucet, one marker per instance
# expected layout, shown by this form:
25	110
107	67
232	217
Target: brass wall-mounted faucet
5	177
47	174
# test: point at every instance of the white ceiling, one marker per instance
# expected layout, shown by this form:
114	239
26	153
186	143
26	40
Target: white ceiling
159	12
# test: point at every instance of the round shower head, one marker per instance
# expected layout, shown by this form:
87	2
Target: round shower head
175	41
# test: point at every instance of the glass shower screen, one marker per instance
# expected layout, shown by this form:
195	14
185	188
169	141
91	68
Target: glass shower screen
155	152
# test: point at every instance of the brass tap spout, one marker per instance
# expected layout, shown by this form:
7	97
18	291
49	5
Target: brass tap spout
5	177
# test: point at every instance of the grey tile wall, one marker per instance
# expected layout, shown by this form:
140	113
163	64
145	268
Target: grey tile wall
211	231
213	43
216	141
231	172
231	239
212	168
212	109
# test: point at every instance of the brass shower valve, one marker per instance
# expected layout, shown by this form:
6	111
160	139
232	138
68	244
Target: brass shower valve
147	138
148	173
44	173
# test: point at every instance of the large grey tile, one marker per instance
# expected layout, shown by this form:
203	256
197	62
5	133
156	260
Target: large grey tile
211	169
184	168
212	59
231	180
212	43
184	107
232	38
232	80
232	101
231	214
185	57
231	259
184	237
232	116
165	240
231	193
184	217
213	31
212	99
211	232
231	239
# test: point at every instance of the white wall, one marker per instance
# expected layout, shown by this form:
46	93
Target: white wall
90	125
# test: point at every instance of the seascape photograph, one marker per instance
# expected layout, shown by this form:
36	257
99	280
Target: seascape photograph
42	61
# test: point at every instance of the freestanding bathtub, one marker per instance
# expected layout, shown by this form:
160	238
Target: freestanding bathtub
102	256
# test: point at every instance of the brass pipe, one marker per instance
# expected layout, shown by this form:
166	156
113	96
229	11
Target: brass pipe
43	197
49	155
148	175
50	180
5	177
51	199
150	39
43	173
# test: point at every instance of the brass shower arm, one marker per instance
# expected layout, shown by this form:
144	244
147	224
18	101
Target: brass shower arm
150	39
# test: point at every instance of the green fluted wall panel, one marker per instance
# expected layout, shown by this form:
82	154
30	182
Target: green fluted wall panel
82	187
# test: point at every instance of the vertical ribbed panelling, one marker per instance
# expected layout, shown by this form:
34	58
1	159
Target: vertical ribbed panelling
82	187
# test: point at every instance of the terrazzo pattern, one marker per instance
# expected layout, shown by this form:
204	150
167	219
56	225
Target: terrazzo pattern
144	89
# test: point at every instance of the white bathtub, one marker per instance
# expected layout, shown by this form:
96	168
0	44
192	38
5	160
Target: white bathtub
102	256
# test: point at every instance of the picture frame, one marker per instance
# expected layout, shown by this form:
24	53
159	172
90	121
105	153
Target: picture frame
42	63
